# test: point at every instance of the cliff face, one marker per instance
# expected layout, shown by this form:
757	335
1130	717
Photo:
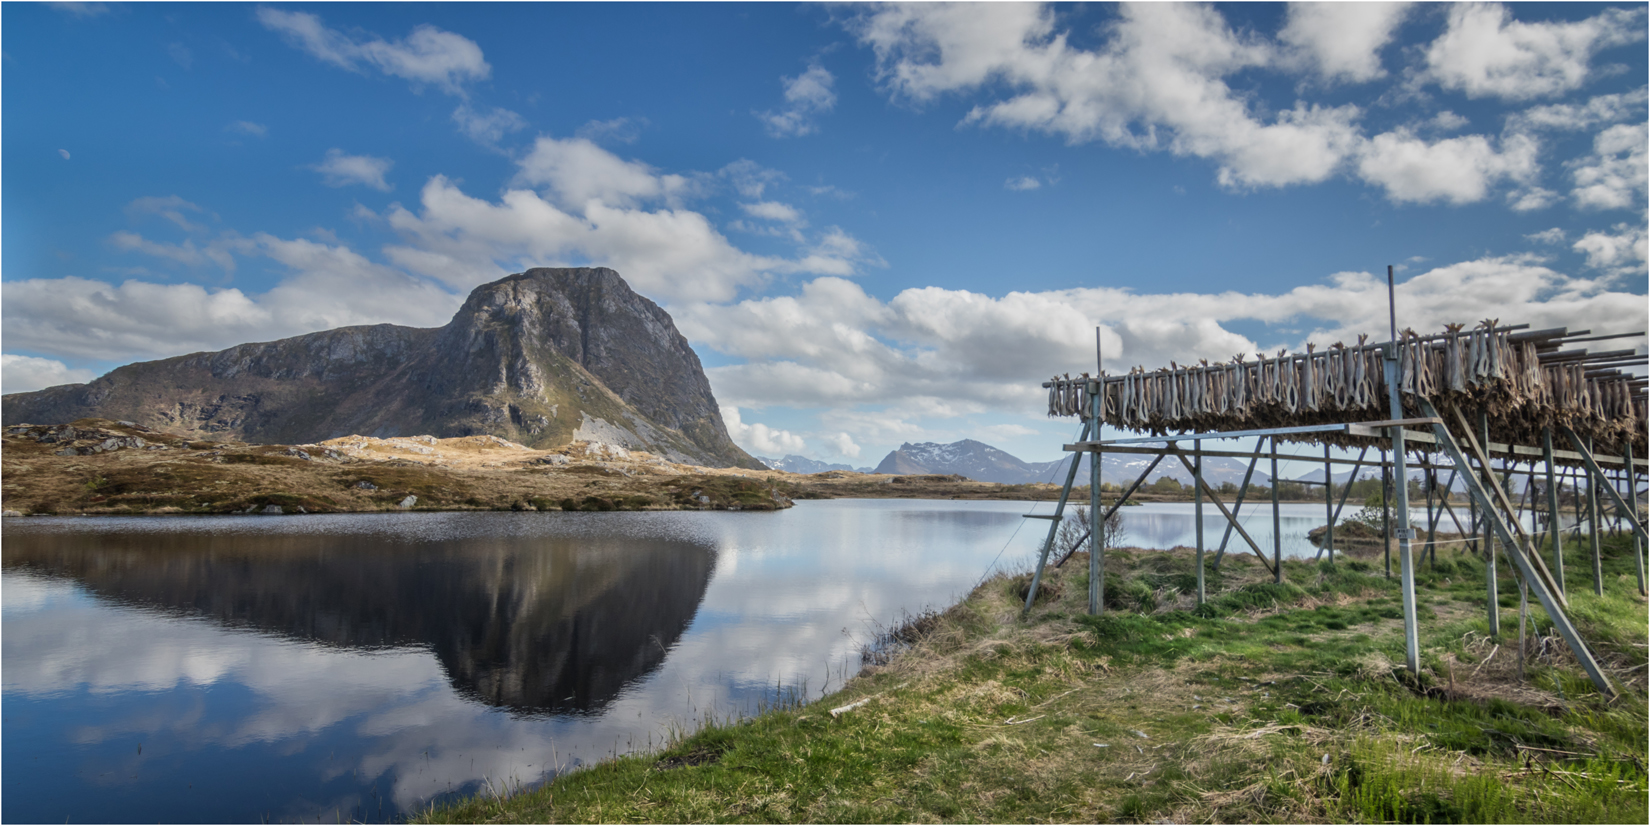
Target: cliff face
541	358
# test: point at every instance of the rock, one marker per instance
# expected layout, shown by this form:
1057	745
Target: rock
365	485
292	451
67	451
9	513
272	510
409	501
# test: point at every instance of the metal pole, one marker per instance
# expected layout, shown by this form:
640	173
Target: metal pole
1242	491
1429	483
1492	588
1054	525
1386	513
1553	514
1197	515
1277	528
1633	513
1097	545
1329	502
1406	565
1593	481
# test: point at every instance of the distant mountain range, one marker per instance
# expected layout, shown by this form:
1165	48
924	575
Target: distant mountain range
802	464
985	463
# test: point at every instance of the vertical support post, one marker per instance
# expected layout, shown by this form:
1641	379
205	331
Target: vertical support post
1429	484
1197	515
1386	513
1492	588
1406	565
1277	527
1097	544
1329	502
1243	490
1059	511
1633	513
1553	514
1593	481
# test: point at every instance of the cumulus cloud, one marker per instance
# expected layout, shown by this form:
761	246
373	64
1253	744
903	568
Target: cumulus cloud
1157	83
19	374
246	127
426	56
1483	52
1619	251
806	95
487	127
1573	117
325	286
339	169
1022	183
1616	174
844	445
1455	170
1547	236
595	208
759	438
1342	42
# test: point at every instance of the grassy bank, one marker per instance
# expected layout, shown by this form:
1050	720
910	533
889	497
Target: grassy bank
1269	703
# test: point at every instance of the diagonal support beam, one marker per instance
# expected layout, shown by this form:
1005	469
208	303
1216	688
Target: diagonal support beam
1238	508
1230	519
1503	503
1515	551
1054	526
1592	468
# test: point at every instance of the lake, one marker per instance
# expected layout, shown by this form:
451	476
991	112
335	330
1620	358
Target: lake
356	667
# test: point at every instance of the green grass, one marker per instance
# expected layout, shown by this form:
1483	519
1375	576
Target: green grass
1269	703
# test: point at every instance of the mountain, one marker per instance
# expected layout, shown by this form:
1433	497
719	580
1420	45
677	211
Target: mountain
985	463
802	464
541	358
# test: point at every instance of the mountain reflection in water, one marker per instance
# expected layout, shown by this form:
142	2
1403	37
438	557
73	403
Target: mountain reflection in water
529	623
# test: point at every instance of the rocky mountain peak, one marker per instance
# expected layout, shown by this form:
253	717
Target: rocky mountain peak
543	357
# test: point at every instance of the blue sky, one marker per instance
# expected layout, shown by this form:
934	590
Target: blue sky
875	224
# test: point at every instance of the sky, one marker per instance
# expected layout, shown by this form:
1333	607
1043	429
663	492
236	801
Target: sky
875	224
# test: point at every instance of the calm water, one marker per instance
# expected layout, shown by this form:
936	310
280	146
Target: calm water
241	669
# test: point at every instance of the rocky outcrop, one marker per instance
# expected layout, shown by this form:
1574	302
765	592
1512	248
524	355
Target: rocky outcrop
540	358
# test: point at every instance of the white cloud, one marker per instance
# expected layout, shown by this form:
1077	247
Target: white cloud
82	10
1572	117
246	127
426	56
773	211
844	445
340	169
623	130
186	253
576	171
806	95
1022	183
1485	53
326	286
1619	252
1156	84
170	207
759	438
750	179
1342	41
1457	170
1615	176
64	153
1547	236
487	128
19	374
